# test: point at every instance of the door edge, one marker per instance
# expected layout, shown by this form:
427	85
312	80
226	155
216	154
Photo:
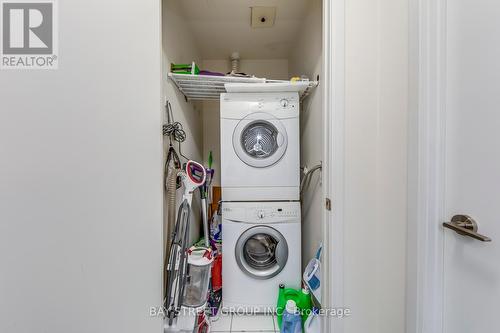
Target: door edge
333	85
426	166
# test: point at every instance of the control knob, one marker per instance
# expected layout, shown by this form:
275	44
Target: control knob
284	103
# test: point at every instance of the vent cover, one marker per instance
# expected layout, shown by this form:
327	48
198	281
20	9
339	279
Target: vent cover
263	17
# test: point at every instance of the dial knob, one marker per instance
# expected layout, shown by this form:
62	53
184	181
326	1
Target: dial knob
284	103
261	214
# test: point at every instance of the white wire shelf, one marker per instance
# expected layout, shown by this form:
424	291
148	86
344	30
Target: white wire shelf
208	87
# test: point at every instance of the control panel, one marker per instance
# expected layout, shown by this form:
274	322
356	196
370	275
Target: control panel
277	102
272	213
262	213
287	103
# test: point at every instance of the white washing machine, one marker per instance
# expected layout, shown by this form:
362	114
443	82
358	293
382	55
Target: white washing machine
260	150
261	248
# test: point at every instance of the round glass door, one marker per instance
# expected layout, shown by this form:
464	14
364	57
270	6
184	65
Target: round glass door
260	142
261	252
259	139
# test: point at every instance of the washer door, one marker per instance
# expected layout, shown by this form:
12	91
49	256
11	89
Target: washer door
261	252
260	140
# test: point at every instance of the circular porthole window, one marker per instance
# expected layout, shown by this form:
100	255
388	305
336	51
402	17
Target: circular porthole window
259	142
261	252
259	139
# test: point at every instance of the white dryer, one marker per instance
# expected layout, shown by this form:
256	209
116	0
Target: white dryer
261	248
260	152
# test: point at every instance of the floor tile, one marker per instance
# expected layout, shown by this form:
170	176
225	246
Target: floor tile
223	324
252	323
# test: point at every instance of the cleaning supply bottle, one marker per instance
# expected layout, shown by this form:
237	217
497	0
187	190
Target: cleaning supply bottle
304	303
292	321
281	302
313	322
301	297
283	296
281	299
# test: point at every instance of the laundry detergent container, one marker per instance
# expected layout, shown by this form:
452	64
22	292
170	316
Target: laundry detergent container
198	277
301	297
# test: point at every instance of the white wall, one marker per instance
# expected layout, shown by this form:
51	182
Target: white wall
306	59
179	47
272	69
375	166
80	177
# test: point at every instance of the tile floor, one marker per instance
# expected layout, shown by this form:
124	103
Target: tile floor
245	323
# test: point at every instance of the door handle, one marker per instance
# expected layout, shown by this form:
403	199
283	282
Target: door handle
466	226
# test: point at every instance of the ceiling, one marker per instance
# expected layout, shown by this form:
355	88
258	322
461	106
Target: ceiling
221	27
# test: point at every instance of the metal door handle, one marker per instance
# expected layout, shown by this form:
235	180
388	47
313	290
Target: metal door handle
466	226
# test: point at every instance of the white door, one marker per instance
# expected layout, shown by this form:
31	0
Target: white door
472	165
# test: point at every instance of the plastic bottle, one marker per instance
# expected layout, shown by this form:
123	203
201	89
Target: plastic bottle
280	306
302	299
313	323
304	303
292	321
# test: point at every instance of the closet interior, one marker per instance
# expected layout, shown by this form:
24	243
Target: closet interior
270	51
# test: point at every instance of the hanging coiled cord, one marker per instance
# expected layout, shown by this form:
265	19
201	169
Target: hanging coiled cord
173	129
306	180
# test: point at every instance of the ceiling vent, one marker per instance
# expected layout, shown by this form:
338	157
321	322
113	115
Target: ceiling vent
263	17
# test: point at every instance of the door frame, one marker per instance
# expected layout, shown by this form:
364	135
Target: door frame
426	162
333	89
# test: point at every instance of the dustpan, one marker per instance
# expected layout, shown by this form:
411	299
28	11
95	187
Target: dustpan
312	275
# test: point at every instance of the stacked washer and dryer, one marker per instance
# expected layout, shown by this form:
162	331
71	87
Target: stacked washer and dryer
260	178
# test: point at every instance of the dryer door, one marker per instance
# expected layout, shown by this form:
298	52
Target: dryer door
261	252
260	140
